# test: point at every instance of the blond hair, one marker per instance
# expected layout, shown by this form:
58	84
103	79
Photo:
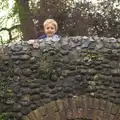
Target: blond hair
48	21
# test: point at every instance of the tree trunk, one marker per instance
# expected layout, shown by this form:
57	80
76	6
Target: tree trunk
26	23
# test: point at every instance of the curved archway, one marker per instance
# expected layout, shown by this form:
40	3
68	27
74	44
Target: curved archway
76	108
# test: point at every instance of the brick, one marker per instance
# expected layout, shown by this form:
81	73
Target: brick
77	101
96	107
38	115
115	109
62	110
73	108
51	107
79	109
80	113
66	105
57	116
90	107
89	114
96	103
31	116
69	114
52	111
99	114
26	118
51	116
68	111
94	114
42	111
117	116
111	117
107	111
102	104
84	105
90	102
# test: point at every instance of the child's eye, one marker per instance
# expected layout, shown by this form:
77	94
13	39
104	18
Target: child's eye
49	28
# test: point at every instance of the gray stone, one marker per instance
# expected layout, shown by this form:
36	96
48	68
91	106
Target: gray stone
54	78
34	85
9	101
51	85
27	72
35	53
16	48
73	66
68	90
32	60
44	82
54	97
44	95
115	72
20	57
35	97
35	91
17	108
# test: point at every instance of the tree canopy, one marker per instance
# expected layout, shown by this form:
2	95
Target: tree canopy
23	18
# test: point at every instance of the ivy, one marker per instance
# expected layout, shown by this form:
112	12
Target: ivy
7	116
3	87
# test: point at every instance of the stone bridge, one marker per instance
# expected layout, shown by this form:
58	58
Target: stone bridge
76	108
75	78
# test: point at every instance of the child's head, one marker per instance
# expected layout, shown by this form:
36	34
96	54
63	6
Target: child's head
50	27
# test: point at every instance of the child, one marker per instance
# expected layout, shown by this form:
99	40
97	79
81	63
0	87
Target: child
50	29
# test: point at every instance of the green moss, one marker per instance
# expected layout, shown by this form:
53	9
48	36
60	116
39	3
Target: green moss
9	90
28	80
46	64
92	54
7	116
96	77
3	87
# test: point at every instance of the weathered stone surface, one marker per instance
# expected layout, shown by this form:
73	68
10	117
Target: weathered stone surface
20	57
89	108
69	67
16	48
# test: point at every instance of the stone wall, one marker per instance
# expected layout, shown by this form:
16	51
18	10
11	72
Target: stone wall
74	66
76	108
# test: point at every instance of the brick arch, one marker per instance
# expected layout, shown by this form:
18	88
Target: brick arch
76	108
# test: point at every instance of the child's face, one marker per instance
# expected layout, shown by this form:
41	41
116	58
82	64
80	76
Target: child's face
50	29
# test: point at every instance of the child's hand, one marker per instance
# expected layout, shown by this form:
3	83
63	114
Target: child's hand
30	41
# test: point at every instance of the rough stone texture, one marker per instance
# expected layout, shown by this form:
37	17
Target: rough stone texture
76	108
70	67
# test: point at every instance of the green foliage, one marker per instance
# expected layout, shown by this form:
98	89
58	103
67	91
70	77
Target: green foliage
7	116
3	87
92	55
8	19
102	19
46	65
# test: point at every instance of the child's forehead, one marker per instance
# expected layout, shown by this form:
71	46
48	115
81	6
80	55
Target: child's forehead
49	24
